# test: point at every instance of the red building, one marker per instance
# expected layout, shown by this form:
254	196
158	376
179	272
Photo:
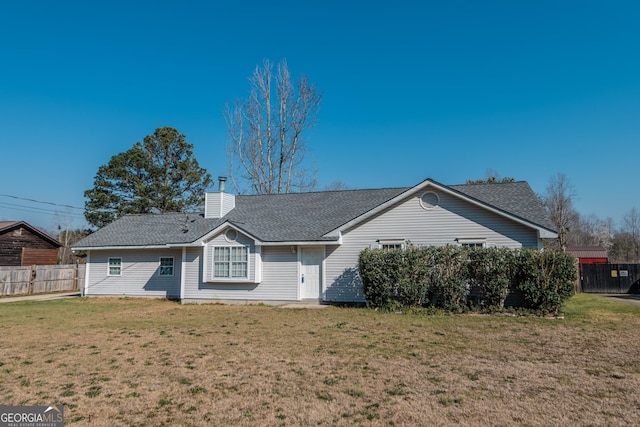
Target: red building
589	254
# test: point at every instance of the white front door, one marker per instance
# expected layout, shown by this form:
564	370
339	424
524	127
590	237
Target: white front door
311	272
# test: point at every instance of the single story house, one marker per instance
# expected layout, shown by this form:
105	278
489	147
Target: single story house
298	246
22	245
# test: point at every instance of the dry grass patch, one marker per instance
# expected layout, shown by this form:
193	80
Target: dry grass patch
153	362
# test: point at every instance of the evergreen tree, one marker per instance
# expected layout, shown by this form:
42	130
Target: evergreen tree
161	174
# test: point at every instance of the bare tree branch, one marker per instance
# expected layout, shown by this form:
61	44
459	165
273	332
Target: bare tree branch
266	150
559	205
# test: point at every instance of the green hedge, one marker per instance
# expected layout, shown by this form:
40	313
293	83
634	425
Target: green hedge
459	278
546	279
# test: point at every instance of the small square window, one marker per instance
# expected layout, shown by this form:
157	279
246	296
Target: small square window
166	266
115	267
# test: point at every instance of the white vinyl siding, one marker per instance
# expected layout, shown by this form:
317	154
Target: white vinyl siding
452	219
139	273
279	277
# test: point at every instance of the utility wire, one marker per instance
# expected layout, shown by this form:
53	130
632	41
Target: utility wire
39	201
33	209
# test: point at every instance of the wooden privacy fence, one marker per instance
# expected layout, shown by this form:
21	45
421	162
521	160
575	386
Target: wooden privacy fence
611	278
41	279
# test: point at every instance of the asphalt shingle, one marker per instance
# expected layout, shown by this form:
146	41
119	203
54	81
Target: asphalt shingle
298	216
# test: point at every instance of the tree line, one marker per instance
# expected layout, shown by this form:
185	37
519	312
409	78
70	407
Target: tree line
266	155
621	241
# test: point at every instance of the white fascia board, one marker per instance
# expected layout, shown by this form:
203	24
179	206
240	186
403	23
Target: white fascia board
544	233
424	184
502	213
201	241
547	234
303	243
104	248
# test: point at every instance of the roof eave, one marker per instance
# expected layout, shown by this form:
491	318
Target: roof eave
547	234
34	230
201	241
302	243
127	247
543	231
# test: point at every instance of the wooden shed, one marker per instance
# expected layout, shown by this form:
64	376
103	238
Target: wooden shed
23	245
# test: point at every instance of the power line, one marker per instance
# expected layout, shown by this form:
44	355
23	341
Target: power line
13	207
39	201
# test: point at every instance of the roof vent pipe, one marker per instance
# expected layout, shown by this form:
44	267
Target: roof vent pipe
221	181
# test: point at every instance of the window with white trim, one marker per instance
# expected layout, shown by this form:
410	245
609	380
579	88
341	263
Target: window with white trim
472	242
114	267
392	244
166	266
473	245
230	262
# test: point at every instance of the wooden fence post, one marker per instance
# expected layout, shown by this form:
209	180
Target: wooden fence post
32	279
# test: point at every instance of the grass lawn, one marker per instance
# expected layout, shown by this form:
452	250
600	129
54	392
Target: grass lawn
143	362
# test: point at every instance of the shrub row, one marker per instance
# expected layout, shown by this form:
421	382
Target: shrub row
457	278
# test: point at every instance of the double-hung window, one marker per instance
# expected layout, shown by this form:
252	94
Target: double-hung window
166	266
230	262
114	267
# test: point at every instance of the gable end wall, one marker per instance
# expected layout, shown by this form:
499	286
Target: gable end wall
12	241
453	218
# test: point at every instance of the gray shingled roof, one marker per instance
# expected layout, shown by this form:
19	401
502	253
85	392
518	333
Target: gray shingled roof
151	230
516	198
298	216
304	216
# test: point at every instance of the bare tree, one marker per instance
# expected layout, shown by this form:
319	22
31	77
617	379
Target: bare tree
591	231
336	186
266	149
493	177
631	227
559	204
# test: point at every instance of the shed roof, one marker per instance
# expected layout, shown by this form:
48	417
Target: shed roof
587	251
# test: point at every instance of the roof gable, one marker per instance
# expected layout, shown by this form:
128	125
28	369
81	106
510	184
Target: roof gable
309	217
6	226
514	200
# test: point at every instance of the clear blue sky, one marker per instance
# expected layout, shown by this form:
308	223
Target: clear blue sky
411	90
